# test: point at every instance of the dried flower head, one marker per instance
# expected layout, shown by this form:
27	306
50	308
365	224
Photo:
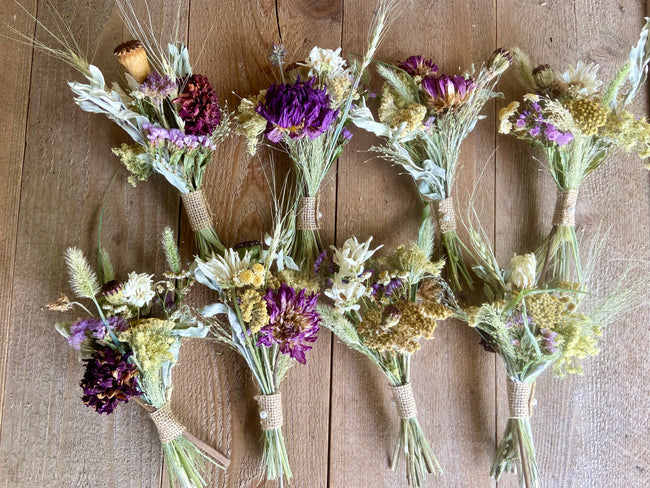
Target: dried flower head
138	290
447	91
133	57
419	66
199	106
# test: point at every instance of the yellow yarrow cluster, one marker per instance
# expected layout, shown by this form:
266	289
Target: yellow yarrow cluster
413	260
588	114
395	112
251	124
150	340
297	281
253	310
400	326
339	90
547	310
579	338
629	133
251	276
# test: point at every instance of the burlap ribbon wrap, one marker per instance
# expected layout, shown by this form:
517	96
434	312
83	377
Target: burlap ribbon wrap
446	215
307	217
169	428
405	401
565	208
198	210
521	397
270	409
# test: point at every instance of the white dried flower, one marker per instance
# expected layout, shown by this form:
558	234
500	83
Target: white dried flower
138	290
523	270
325	62
224	270
352	256
346	295
583	77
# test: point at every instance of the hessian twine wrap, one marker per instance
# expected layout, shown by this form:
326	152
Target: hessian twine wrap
565	208
197	210
446	216
307	216
405	401
169	428
520	399
270	408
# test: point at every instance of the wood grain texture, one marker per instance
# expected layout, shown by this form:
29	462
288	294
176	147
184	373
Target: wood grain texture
340	424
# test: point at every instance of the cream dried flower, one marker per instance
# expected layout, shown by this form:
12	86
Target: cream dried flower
346	295
224	270
583	78
138	290
351	257
325	62
522	271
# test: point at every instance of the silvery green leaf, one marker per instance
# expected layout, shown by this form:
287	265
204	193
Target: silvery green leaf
96	78
63	328
116	88
174	177
434	169
180	60
639	59
213	309
362	118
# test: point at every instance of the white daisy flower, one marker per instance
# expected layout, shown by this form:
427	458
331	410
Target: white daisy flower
583	77
224	269
138	290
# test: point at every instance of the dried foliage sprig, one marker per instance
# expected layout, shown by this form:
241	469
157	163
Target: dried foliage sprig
423	119
130	345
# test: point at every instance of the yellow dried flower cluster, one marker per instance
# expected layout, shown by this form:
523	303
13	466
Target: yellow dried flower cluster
339	90
504	117
395	112
400	326
588	114
629	133
150	340
253	310
251	124
548	310
139	168
251	276
579	339
413	260
297	281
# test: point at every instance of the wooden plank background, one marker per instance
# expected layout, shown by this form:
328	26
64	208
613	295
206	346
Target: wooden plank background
56	167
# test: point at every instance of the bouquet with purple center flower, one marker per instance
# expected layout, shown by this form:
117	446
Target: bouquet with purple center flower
161	101
130	345
267	314
533	326
423	118
578	123
307	113
384	309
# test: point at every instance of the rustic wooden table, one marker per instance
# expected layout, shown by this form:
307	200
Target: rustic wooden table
56	166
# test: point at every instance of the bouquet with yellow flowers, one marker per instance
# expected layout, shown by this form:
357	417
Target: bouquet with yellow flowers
578	123
382	308
129	346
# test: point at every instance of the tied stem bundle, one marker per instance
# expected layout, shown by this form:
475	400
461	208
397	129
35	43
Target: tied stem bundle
275	457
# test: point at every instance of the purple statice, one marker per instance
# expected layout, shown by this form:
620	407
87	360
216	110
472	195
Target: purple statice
378	290
199	106
447	91
538	128
549	340
93	328
324	264
293	321
110	378
419	66
298	110
157	87
176	139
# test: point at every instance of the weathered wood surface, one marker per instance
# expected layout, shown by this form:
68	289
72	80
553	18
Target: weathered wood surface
56	166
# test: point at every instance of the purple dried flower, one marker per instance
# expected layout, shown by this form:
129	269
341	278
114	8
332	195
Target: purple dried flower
109	378
346	134
93	328
199	106
324	264
447	91
298	110
293	321
177	139
419	66
157	87
549	340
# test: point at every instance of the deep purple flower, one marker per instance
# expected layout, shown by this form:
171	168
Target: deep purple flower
93	328
346	134
447	91
293	321
419	66
157	87
199	106
298	110
549	340
109	378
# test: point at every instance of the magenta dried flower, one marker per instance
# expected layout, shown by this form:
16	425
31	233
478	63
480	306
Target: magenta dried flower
419	66
447	91
293	321
298	110
199	106
109	379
